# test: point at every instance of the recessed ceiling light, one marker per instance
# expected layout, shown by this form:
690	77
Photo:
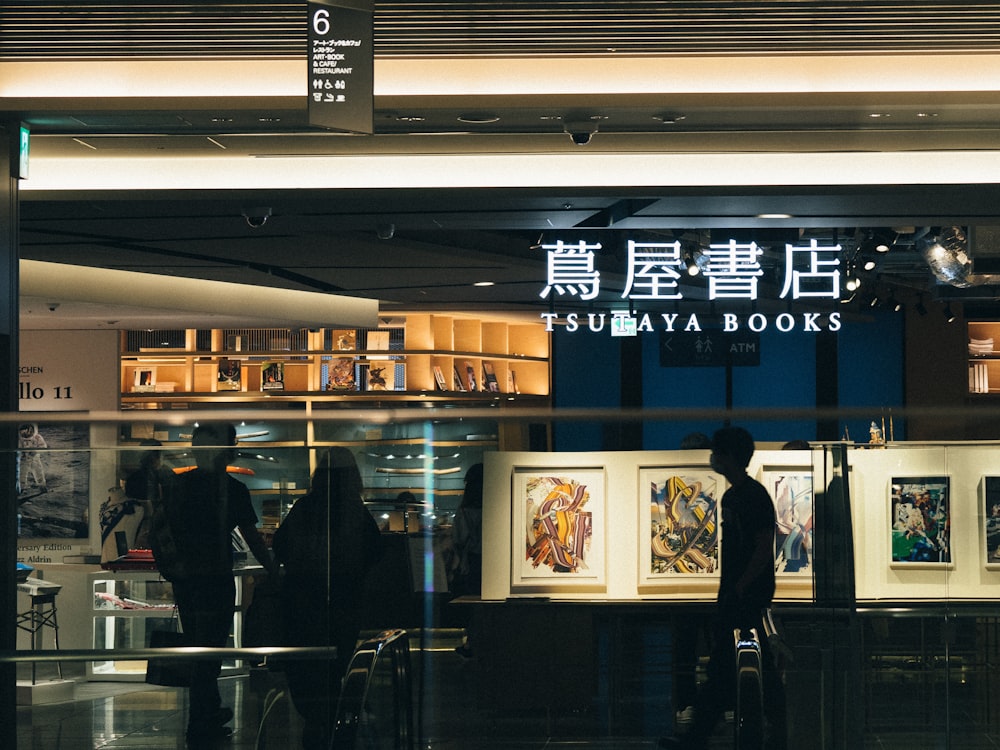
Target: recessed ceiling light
410	118
484	283
774	216
877	115
478	119
550	117
669	119
927	114
222	120
268	119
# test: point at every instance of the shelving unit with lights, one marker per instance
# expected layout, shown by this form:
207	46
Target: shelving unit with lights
433	358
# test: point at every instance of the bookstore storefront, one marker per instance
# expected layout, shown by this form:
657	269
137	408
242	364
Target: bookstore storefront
569	399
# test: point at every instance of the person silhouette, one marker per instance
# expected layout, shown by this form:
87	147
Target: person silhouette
746	587
327	544
204	505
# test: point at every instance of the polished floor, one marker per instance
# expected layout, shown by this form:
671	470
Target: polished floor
453	717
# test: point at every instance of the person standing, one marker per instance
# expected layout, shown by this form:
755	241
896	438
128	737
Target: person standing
746	587
327	544
203	506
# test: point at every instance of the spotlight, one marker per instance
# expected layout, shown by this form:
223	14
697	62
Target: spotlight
693	269
875	301
920	308
853	283
869	265
385	231
949	316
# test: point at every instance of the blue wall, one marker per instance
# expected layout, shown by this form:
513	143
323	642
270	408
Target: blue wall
586	370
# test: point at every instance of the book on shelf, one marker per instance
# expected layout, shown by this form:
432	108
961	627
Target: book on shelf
459	383
470	374
344	339
439	379
272	376
144	380
377	341
381	375
341	375
230	375
490	378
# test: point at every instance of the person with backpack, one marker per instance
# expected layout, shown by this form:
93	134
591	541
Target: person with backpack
192	544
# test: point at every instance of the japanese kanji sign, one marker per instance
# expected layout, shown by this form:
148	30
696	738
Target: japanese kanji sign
341	65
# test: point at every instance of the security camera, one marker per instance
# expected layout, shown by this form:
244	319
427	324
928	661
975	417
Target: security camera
257	217
580	132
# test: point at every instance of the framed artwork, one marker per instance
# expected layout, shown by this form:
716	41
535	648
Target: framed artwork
53	480
920	519
680	526
991	521
792	493
144	380
558	528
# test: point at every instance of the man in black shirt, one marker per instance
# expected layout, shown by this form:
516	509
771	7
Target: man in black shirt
205	505
746	588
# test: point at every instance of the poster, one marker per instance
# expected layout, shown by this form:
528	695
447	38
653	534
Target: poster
792	493
920	517
681	528
559	527
991	521
53	480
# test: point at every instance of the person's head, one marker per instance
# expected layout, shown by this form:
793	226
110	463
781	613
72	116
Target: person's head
150	459
337	474
695	441
473	495
27	430
732	449
214	444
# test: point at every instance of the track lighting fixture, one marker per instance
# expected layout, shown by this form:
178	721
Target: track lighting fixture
949	316
919	307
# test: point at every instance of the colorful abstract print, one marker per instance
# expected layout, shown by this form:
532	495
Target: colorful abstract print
684	538
559	526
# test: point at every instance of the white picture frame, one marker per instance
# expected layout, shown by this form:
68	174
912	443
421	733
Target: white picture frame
559	529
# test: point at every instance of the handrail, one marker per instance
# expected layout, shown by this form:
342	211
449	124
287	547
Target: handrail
391	644
180	652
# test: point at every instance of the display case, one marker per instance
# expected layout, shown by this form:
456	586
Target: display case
129	605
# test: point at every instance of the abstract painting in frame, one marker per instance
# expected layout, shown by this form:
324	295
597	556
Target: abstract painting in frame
792	493
991	521
680	528
920	519
559	527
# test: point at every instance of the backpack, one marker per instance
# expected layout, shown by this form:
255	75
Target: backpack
162	541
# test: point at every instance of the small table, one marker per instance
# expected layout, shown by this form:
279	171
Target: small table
42	614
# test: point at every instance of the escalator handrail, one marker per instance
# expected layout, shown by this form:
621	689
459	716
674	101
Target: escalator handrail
395	646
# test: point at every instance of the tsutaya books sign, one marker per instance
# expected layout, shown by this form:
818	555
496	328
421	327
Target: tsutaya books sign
654	270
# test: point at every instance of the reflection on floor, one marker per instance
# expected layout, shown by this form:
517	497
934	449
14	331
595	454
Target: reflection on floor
134	715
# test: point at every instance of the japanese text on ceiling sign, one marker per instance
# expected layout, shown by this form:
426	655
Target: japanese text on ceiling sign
732	268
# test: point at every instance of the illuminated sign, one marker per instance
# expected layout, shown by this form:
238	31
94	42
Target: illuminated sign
623	324
709	349
654	270
341	65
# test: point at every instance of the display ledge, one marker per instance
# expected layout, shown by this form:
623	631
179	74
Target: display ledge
253	396
370	354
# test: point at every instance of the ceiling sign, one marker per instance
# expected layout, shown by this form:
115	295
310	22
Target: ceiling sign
341	65
709	348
